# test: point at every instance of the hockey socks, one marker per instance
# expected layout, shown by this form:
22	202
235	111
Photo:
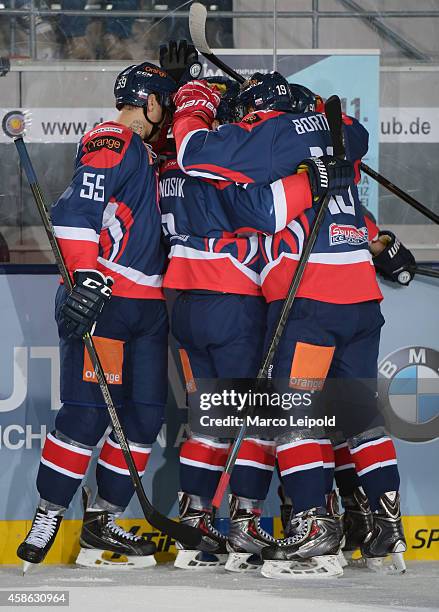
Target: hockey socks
63	465
202	461
301	466
376	466
345	473
112	475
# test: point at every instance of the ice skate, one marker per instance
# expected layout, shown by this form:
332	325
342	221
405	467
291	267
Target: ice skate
310	551
333	509
246	536
105	544
357	524
40	538
286	508
386	538
212	551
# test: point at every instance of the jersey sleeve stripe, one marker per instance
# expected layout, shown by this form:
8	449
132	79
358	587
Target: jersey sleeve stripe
131	274
76	233
184	144
280	205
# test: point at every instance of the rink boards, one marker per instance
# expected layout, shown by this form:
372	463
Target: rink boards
29	400
422	533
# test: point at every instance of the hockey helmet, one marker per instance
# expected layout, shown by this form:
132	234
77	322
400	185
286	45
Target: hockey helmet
229	91
134	84
303	100
269	91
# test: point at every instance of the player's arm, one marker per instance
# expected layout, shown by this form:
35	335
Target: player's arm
224	154
270	208
77	217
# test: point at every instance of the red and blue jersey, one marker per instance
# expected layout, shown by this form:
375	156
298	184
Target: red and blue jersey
264	147
211	227
108	218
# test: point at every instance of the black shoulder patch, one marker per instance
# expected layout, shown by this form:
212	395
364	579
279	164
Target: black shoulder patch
112	143
251	119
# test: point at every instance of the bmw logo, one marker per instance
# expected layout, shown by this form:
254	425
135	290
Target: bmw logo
409	392
14	123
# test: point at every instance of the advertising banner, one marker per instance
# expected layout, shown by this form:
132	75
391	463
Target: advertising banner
353	75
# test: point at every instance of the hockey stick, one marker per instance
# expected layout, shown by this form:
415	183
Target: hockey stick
426	271
333	114
399	193
183	533
197	28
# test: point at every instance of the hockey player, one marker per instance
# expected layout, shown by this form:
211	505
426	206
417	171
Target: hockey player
211	227
334	325
107	223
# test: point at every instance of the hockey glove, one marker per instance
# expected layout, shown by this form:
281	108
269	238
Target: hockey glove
180	60
327	175
197	98
395	262
90	292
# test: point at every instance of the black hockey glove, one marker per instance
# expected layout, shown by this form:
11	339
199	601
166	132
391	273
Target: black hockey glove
395	262
180	60
327	175
91	291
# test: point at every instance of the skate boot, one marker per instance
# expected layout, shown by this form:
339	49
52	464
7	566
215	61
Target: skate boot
246	536
386	538
105	544
212	551
357	524
333	509
310	550
41	536
286	508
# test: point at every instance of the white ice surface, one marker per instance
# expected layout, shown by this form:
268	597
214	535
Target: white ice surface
164	588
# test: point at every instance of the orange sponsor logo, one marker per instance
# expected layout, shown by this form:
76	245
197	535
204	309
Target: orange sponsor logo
310	366
110	353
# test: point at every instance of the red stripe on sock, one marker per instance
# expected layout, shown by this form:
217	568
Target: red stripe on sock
368	454
303	454
203	453
113	456
251	450
66	458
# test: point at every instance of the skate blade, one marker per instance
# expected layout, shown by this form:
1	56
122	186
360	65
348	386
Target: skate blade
198	560
392	564
243	562
93	557
27	567
325	566
354	559
341	559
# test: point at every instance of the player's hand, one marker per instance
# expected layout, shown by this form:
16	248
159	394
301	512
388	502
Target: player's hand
82	307
180	60
395	262
327	175
197	98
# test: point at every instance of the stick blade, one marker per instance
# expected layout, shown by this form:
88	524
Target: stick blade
197	27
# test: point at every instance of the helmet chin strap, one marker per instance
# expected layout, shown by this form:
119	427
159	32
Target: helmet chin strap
156	125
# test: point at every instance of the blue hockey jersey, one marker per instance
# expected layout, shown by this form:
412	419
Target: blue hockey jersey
108	218
211	227
264	147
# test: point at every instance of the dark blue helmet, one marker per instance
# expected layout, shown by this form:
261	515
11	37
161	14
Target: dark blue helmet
269	91
229	91
303	99
134	84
